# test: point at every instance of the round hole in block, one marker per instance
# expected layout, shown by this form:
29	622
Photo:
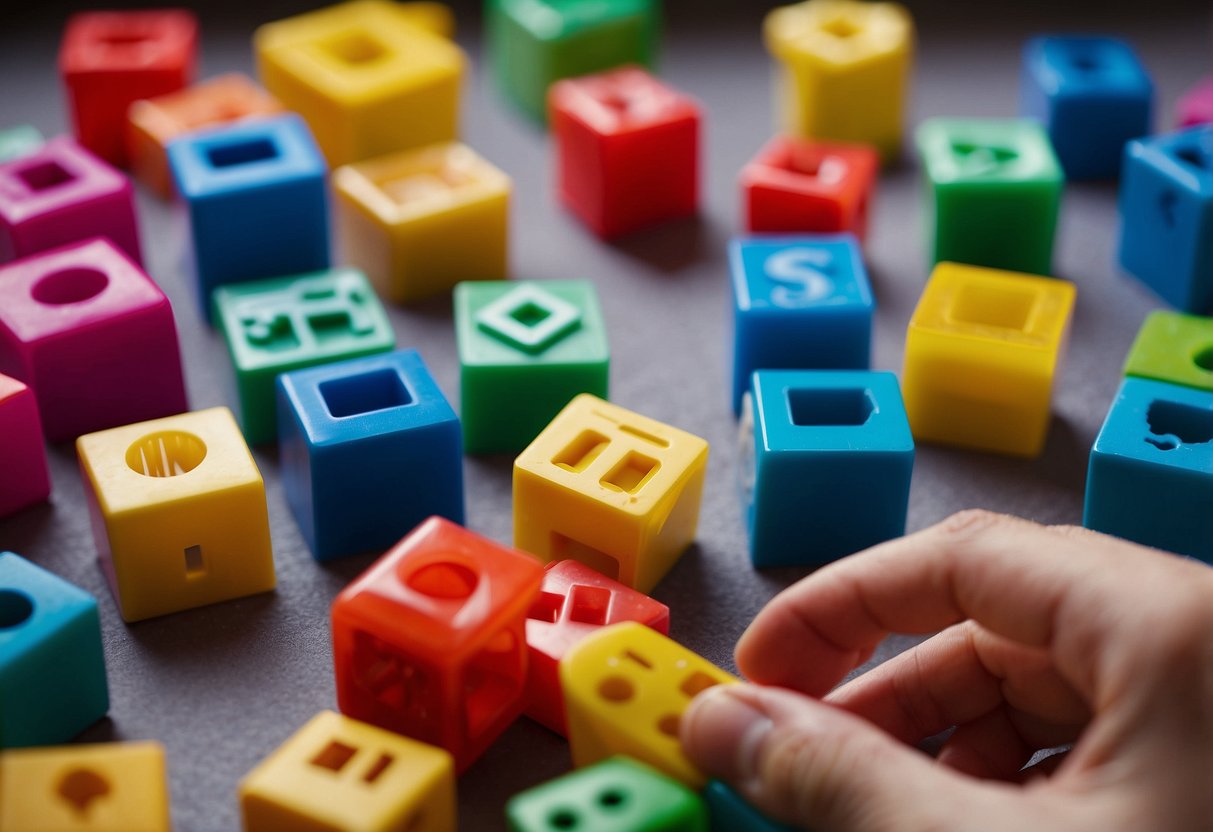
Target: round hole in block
668	725
563	819
1204	359
81	787
449	581
15	608
169	453
612	798
616	689
70	286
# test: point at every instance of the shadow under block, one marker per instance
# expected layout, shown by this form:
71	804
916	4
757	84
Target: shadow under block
27	478
336	774
18	141
154	491
981	356
52	670
1174	348
525	350
613	489
729	813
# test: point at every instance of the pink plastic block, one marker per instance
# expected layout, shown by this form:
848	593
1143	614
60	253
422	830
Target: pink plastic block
1196	105
25	479
94	337
59	194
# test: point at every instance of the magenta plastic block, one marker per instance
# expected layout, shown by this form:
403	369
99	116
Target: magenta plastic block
59	194
25	479
93	336
1196	105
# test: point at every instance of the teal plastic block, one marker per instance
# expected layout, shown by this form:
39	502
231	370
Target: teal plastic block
730	813
17	141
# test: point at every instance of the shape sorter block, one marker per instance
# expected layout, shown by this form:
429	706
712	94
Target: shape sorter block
828	458
730	813
627	150
369	449
430	642
27	479
982	352
610	488
336	774
154	491
995	190
525	349
83	300
367	76
1173	348
1195	106
18	141
800	302
1092	95
52	671
283	324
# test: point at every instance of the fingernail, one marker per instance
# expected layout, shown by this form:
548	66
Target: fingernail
723	734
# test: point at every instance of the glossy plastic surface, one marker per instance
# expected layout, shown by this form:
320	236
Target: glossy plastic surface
26	478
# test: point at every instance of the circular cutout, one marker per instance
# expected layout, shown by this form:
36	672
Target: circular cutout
612	799
562	819
1204	359
616	689
668	725
70	286
169	453
15	608
449	581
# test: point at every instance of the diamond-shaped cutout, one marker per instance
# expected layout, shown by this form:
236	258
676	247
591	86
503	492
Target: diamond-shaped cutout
529	319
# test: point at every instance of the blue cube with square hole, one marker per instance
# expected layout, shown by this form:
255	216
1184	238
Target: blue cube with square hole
1150	477
827	457
52	670
256	196
730	813
799	303
369	448
1092	94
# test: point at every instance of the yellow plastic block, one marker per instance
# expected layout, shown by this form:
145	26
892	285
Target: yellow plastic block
845	70
435	18
420	221
337	774
111	787
615	490
370	77
982	350
626	687
179	512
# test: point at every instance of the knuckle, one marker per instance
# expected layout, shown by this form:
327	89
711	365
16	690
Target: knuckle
971	521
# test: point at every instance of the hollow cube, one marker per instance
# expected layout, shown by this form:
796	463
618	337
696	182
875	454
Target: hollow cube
1195	106
155	491
1174	348
729	812
18	141
430	642
27	479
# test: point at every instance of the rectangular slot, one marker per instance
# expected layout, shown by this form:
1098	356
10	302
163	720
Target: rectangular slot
547	607
630	475
334	756
241	153
847	407
589	605
993	306
636	658
697	683
329	326
194	567
376	770
357	49
44	175
366	393
566	548
424	185
644	436
582	451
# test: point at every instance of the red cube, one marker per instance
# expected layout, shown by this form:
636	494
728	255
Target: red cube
627	150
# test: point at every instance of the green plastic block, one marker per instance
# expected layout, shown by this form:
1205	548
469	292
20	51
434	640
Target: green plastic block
18	141
616	795
1175	348
283	324
996	187
534	43
525	349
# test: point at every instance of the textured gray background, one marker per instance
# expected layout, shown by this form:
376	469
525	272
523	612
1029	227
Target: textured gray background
223	686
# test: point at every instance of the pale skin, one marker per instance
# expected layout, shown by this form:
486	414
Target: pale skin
1046	636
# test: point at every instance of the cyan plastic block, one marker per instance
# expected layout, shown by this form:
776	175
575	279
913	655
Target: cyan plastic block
369	448
729	813
799	302
827	457
17	141
52	670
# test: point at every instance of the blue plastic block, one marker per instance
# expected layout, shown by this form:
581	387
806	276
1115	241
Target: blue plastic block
799	303
369	449
52	671
257	199
826	466
1166	211
1150	477
729	813
1092	95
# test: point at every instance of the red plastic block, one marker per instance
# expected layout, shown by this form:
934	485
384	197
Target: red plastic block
109	60
93	336
575	601
627	150
430	642
798	185
24	479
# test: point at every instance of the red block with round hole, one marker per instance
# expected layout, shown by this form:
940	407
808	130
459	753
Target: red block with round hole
92	335
24	478
627	149
573	602
430	642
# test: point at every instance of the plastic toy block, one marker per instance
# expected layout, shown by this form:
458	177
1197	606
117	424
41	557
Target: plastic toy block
16	142
798	303
833	53
610	488
995	188
525	349
430	642
575	601
27	479
627	150
617	795
283	324
1195	107
369	449
111	59
626	687
827	462
370	77
1150	478
154	491
729	813
336	774
1092	94
1174	348
59	194
981	355
535	43
52	671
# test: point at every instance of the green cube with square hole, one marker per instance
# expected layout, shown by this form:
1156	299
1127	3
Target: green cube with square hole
283	324
525	349
994	192
1175	348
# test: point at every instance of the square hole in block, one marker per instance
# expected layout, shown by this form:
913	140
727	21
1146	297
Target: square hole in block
424	184
195	567
365	393
547	607
581	452
631	474
847	407
334	756
1173	424
44	176
329	326
589	605
492	681
357	49
994	306
530	314
241	153
398	685
566	548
